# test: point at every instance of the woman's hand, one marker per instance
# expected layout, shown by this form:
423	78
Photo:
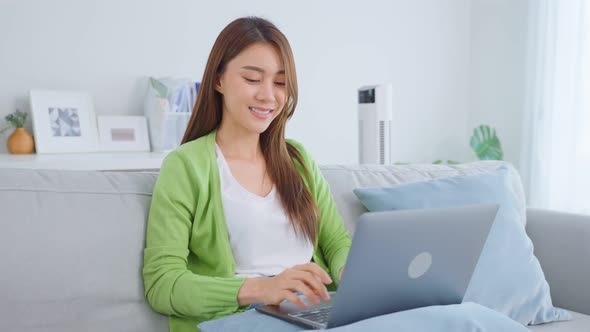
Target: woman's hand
307	279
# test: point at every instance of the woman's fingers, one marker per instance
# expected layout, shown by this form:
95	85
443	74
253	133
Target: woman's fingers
307	279
291	297
312	281
302	288
316	270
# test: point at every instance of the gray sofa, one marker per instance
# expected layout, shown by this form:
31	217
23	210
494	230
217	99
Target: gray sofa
71	245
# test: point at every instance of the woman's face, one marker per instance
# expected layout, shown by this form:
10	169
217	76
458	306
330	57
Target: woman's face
253	88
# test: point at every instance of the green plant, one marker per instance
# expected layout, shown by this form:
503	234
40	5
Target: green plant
15	120
486	144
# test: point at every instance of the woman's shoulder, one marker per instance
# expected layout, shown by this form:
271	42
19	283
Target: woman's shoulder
200	144
299	147
195	153
306	157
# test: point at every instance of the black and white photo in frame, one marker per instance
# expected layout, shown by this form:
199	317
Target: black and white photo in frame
63	121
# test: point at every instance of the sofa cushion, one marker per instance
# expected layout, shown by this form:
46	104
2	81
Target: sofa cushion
72	251
579	323
343	179
508	277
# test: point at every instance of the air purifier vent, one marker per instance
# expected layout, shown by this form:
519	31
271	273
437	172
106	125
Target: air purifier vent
375	117
381	142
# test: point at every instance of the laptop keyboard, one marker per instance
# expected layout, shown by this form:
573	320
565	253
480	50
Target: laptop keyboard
319	315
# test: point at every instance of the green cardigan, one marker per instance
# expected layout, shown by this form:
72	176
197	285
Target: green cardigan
188	265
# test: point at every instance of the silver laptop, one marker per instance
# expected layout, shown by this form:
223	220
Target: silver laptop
401	260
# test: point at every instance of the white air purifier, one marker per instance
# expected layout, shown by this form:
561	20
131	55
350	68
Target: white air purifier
375	116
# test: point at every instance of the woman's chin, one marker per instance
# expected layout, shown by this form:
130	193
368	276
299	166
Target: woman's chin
261	126
258	129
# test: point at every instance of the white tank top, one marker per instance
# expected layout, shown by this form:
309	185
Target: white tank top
262	239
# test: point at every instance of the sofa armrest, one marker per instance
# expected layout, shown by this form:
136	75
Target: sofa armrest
562	245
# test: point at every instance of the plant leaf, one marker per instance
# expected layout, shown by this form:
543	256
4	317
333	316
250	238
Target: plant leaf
486	144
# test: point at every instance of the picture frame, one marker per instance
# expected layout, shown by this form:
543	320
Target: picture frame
63	121
123	133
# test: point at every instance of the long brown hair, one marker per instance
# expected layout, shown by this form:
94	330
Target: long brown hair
207	113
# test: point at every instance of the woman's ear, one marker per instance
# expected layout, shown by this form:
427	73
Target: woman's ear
218	84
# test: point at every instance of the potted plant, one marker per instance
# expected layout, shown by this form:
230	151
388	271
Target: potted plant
20	142
484	142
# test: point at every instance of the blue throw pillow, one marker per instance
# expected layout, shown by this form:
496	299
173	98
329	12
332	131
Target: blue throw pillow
508	277
465	317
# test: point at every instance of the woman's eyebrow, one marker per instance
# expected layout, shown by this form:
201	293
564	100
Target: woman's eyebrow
260	70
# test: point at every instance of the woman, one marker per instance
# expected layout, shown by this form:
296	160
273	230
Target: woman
239	215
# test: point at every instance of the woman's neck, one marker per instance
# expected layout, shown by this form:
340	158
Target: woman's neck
238	144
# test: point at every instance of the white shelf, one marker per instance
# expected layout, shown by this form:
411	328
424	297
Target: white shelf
102	161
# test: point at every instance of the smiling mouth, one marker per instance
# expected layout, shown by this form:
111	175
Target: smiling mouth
261	111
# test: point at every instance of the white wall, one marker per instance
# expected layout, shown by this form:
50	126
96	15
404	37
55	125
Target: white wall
109	47
497	73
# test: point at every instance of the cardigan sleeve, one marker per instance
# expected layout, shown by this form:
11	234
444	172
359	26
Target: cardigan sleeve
170	287
333	238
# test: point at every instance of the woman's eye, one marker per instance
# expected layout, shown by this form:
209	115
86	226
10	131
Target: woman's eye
249	80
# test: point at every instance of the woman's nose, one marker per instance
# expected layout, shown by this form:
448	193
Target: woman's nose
266	91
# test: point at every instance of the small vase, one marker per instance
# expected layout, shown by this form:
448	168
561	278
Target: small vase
20	142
